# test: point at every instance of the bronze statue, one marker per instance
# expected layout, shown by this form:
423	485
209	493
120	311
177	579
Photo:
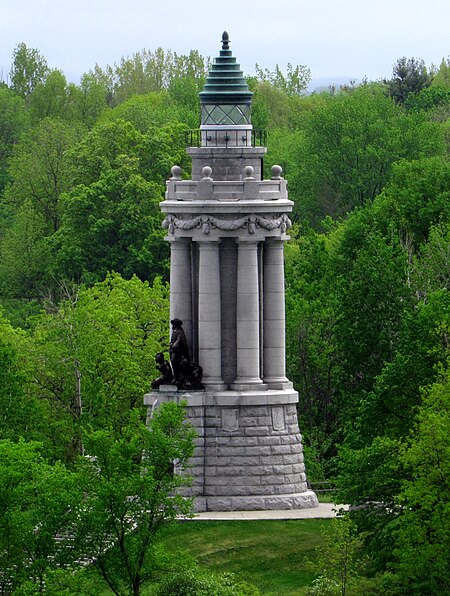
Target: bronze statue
178	350
192	373
164	368
181	371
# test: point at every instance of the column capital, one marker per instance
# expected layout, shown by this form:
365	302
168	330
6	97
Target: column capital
275	240
248	242
209	240
174	240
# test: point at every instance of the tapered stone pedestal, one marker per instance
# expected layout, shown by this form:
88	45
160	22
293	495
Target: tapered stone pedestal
249	452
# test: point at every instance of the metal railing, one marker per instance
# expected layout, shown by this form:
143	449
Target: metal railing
322	486
225	138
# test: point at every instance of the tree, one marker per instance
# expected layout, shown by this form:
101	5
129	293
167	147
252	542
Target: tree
149	71
25	256
441	78
40	169
112	224
343	153
339	561
92	100
369	480
294	82
28	69
14	119
37	507
431	99
131	493
91	357
55	98
312	354
415	199
408	76
422	541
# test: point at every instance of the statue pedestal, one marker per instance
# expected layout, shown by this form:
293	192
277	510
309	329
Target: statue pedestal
249	454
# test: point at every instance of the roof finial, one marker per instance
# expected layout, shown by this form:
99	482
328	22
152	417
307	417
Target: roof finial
225	41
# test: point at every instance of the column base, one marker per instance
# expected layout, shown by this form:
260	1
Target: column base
278	383
214	384
244	384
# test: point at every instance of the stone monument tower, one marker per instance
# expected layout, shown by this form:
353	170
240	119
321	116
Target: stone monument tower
227	227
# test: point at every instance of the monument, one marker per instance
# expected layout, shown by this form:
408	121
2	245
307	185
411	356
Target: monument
227	227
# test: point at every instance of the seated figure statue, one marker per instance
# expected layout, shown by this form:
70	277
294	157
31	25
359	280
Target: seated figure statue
192	374
165	369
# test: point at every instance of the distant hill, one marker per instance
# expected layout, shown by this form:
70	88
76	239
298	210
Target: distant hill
323	84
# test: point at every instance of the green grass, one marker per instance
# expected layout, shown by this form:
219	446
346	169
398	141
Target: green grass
270	554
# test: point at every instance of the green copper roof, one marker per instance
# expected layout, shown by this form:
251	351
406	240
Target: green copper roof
225	83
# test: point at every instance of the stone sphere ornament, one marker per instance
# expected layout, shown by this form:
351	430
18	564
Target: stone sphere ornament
176	173
276	172
207	171
249	171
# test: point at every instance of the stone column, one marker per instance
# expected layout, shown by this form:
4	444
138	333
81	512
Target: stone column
209	316
247	316
274	315
181	284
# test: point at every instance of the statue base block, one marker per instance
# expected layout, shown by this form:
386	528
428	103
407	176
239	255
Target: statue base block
249	453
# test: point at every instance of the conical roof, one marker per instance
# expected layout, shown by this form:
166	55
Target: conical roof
225	83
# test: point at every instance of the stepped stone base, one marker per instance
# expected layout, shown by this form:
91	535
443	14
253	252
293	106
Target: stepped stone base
249	454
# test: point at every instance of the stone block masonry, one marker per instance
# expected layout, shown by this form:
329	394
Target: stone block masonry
254	455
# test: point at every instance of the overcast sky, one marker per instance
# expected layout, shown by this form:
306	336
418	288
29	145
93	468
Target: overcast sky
350	38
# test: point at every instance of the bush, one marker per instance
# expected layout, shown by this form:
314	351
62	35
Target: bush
202	583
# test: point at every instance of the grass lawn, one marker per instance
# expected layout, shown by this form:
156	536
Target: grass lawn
270	554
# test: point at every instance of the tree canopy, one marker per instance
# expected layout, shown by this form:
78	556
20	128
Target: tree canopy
84	310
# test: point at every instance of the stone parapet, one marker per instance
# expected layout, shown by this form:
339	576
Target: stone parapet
207	189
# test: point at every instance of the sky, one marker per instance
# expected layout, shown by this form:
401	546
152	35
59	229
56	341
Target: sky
350	39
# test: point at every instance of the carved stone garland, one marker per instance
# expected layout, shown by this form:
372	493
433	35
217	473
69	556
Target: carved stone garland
208	222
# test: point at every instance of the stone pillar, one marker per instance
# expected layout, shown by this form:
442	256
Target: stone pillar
181	284
247	316
209	316
274	315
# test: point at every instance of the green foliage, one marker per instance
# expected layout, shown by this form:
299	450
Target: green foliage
421	540
111	217
202	583
429	98
36	506
40	173
28	69
409	76
92	99
91	358
341	153
14	119
369	480
52	97
294	82
390	407
441	78
146	72
339	561
131	493
431	266
416	198
40	169
25	255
